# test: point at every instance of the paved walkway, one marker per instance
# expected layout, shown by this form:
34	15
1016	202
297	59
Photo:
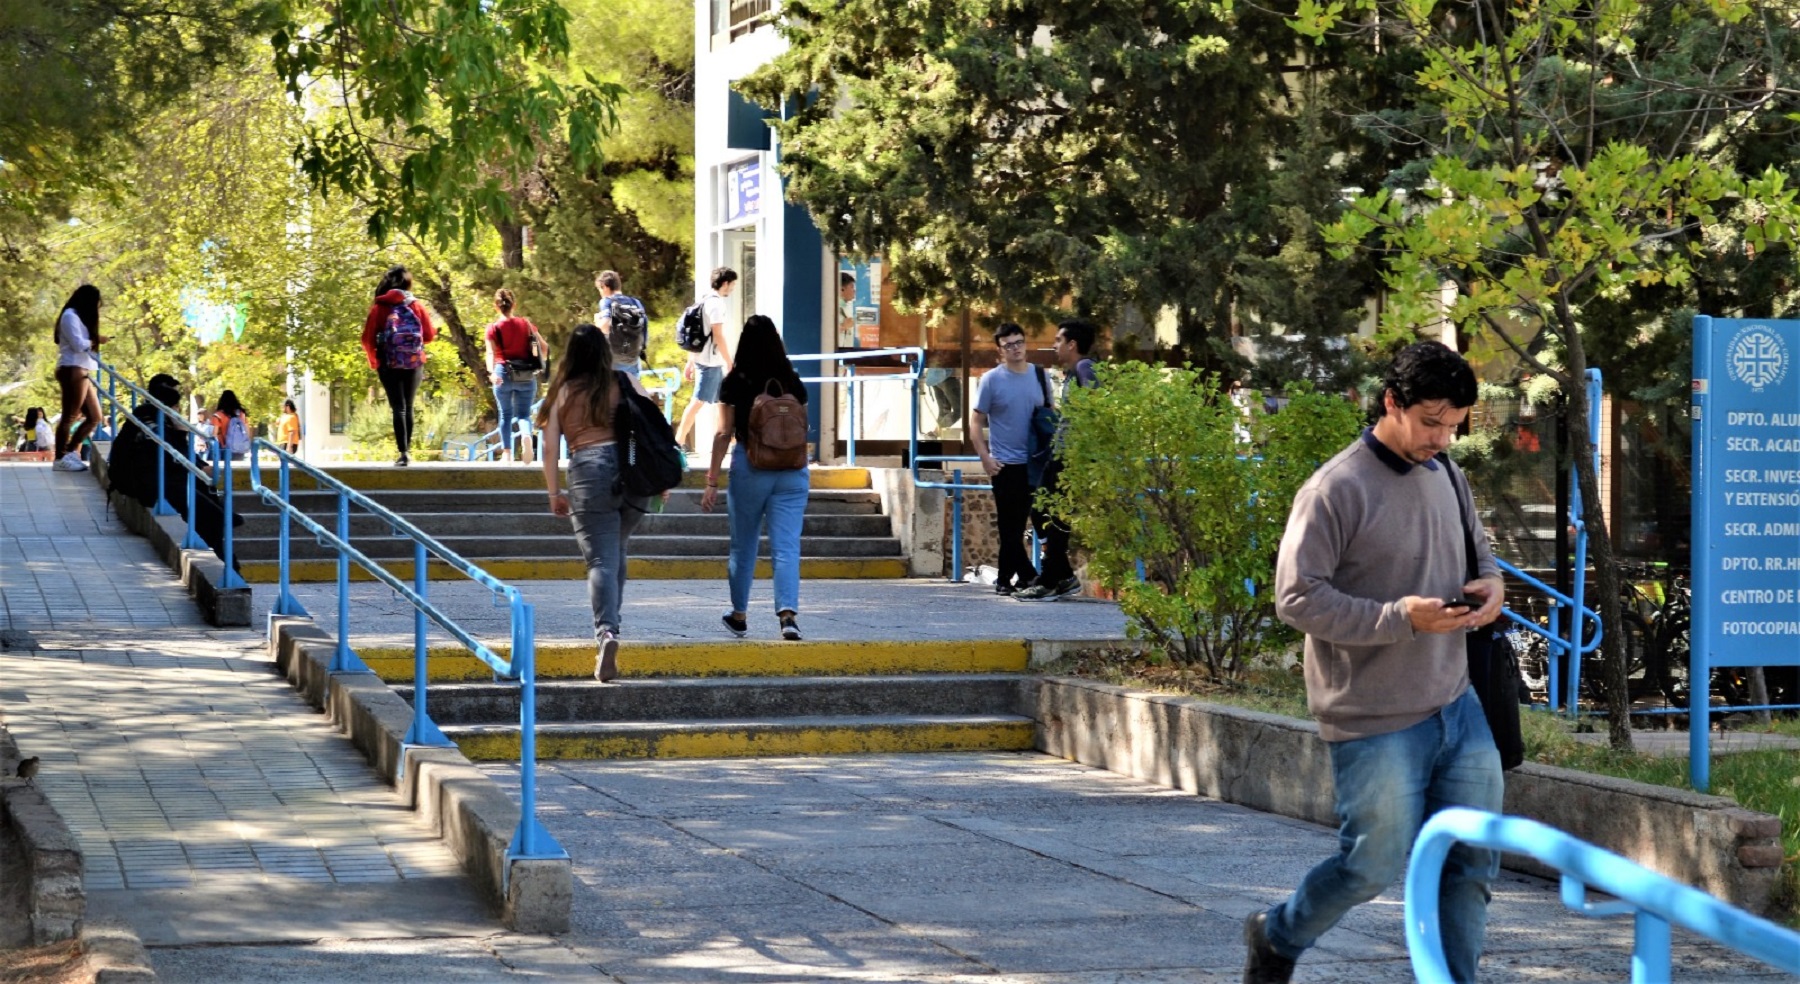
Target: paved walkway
247	842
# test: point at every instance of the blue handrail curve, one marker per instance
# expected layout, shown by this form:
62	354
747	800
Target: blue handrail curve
531	840
1656	901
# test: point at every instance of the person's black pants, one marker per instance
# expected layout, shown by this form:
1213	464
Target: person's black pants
1012	508
1055	535
401	386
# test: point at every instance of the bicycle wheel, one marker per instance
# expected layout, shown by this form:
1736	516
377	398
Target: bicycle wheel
1634	636
1671	654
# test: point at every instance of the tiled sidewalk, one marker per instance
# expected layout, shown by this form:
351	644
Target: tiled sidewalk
172	749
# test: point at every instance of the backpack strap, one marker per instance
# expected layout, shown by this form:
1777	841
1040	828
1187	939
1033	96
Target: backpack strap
1470	568
1043	382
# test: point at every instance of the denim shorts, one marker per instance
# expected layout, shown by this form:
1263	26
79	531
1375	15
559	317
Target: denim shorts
706	385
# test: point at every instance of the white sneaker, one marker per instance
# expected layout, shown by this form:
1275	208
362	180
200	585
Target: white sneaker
70	462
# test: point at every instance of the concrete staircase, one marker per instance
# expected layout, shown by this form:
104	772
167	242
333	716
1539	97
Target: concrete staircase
498	517
715	700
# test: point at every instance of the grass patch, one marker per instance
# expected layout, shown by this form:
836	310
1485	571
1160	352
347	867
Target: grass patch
1764	781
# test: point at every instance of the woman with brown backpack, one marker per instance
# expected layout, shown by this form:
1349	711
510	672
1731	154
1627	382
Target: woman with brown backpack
762	403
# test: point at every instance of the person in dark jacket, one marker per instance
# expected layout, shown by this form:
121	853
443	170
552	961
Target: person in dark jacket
131	468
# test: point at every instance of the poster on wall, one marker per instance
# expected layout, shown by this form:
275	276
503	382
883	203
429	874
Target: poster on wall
858	317
743	190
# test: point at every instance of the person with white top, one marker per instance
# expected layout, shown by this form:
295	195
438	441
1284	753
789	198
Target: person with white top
39	435
709	366
77	336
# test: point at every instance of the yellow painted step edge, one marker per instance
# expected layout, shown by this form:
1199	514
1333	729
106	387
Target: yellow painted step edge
573	569
464	478
1007	736
715	659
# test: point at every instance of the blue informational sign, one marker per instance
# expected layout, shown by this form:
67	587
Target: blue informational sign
1746	515
743	190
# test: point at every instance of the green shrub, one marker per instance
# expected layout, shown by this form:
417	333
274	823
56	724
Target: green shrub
1156	470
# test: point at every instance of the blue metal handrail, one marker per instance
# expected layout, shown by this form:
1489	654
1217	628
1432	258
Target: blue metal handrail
531	840
1654	900
218	475
913	355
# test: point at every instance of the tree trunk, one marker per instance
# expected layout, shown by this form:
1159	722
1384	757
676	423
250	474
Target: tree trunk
469	350
512	245
1593	515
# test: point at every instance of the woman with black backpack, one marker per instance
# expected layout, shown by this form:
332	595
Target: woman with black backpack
762	404
584	406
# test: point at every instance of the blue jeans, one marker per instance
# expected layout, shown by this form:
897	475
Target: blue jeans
515	397
780	496
1387	787
604	518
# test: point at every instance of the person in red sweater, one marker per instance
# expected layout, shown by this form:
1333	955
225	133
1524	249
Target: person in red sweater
394	337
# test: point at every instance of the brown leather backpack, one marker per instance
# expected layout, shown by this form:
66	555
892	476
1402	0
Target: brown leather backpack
777	430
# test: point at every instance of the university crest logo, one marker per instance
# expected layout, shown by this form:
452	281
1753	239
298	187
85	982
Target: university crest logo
1757	357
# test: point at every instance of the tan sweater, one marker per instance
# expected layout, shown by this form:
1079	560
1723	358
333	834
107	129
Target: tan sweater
1362	535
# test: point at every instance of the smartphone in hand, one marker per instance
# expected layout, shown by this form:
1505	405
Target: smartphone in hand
1461	602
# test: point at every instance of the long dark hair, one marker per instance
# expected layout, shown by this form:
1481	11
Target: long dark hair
397	278
85	302
586	368
760	354
32	416
229	405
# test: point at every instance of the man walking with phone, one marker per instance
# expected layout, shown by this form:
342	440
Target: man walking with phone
1373	549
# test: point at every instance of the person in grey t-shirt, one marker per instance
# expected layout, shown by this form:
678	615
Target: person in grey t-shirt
1372	556
1000	429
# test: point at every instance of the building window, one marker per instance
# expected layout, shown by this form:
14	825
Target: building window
736	18
343	400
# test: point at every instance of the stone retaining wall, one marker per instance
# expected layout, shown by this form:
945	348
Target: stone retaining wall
50	856
1280	765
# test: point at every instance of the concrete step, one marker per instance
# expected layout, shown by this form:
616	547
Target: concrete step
573	659
503	524
727	698
517	568
758	738
458	475
478	549
493	502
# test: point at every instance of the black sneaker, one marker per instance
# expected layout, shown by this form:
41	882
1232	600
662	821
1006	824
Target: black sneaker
790	630
737	625
402	461
1066	587
1004	588
1263	965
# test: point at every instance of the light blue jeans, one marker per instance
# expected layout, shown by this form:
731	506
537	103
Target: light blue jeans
1387	787
604	518
515	397
780	497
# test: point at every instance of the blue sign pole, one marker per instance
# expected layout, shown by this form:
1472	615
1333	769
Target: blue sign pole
1746	509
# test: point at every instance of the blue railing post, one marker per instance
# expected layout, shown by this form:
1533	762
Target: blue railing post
231	579
956	511
423	731
285	602
162	507
191	540
850	371
531	840
342	659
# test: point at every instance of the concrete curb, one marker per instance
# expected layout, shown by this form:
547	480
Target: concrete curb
471	813
52	854
1281	765
114	954
201	570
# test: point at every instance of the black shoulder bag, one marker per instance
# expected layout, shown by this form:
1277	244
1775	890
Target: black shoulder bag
1493	666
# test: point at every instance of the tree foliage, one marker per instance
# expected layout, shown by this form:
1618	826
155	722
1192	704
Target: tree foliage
1155	471
442	104
1577	152
1015	153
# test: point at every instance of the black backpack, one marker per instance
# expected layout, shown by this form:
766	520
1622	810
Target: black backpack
691	331
627	328
651	463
